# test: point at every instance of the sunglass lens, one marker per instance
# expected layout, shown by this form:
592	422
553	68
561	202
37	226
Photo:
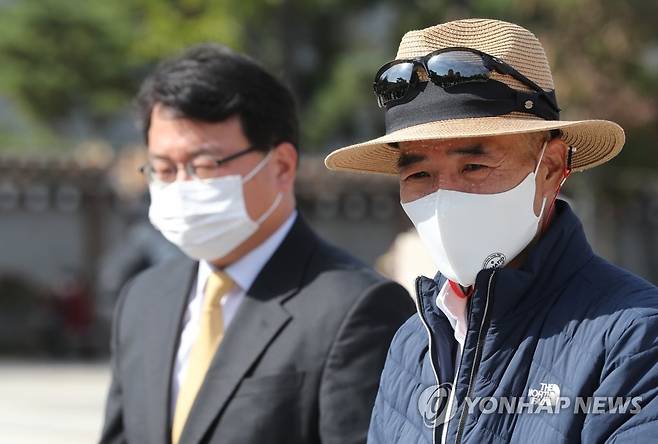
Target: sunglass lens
393	83
454	67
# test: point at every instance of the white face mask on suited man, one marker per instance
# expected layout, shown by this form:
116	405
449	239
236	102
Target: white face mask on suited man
207	219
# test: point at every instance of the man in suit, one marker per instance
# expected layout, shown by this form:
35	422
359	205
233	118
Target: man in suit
264	333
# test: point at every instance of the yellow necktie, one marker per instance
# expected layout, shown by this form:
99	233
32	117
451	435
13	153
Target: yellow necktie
211	331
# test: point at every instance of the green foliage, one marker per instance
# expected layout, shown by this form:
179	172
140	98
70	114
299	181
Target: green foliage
58	56
165	27
62	57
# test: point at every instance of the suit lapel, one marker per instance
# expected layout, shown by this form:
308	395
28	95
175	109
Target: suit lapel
258	321
162	338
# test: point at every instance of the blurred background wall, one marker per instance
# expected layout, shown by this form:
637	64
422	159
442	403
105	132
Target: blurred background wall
73	207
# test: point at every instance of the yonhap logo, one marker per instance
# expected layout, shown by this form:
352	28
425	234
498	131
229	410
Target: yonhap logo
543	398
433	403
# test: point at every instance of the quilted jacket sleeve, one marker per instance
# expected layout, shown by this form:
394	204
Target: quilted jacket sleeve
631	373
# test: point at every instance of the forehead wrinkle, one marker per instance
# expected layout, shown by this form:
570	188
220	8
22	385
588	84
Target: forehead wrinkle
469	150
157	156
458	146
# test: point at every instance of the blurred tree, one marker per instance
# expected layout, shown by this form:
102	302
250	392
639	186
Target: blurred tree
63	59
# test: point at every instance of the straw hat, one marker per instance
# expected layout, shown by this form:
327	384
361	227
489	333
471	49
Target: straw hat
594	141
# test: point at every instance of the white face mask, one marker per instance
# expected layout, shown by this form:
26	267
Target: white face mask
466	232
206	219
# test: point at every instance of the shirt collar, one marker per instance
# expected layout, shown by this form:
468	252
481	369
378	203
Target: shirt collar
454	307
245	270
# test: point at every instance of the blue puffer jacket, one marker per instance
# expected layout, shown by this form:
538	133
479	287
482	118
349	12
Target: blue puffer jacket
566	324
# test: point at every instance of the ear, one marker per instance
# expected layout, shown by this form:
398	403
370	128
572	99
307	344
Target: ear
550	173
285	158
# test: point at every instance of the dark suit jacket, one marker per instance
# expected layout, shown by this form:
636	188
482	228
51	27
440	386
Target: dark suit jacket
299	363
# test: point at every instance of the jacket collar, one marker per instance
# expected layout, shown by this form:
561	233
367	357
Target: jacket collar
262	314
558	254
260	318
550	263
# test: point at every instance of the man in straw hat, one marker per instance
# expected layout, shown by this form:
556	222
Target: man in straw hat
525	335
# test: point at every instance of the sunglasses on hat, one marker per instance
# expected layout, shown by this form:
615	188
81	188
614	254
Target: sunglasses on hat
400	81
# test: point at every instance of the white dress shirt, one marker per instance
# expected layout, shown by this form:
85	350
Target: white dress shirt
244	273
454	307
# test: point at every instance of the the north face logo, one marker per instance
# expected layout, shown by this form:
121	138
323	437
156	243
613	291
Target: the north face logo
546	394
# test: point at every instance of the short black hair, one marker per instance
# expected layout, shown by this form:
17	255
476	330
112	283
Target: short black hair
211	83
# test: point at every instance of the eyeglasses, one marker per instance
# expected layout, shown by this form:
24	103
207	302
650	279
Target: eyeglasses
200	167
399	81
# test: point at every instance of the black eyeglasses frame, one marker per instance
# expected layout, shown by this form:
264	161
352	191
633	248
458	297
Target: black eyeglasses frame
146	169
